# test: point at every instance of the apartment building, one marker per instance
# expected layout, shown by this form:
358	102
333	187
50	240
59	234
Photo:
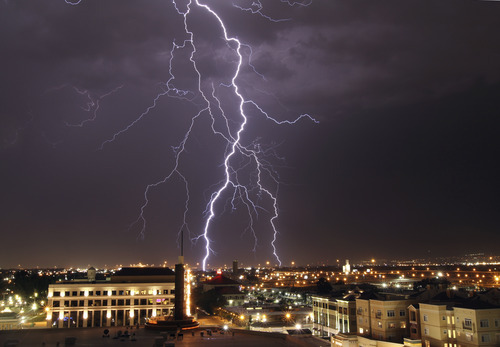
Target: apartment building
128	297
477	324
437	325
456	320
334	314
383	316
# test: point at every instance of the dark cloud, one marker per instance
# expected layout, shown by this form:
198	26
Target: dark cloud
405	91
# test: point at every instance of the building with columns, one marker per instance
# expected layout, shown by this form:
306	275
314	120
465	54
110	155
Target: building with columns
128	297
334	314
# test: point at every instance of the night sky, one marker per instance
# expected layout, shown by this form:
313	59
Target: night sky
404	162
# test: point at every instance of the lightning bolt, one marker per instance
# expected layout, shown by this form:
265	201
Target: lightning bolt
92	105
238	157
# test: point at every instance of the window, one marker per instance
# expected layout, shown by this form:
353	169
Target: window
120	292
467	322
379	324
390	313
484	323
402	324
81	293
91	293
345	310
165	291
127	302
81	303
98	292
97	302
497	323
91	302
443	318
361	330
391	325
468	336
485	338
378	314
113	302
413	316
56	304
172	291
104	292
402	313
113	292
57	293
426	318
360	310
105	303
360	320
66	303
74	293
413	330
66	293
426	331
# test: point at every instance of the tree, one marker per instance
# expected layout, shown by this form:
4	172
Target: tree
209	300
323	286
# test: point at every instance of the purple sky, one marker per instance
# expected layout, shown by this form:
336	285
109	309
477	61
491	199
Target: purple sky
404	161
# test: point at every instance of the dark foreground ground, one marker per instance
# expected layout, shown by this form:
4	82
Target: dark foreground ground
93	337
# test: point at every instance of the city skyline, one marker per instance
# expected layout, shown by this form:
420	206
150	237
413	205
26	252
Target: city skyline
403	162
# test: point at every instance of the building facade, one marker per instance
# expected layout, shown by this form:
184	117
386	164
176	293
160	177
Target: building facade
477	326
334	315
383	316
128	298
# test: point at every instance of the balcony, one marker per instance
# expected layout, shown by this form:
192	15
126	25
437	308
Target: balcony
470	326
